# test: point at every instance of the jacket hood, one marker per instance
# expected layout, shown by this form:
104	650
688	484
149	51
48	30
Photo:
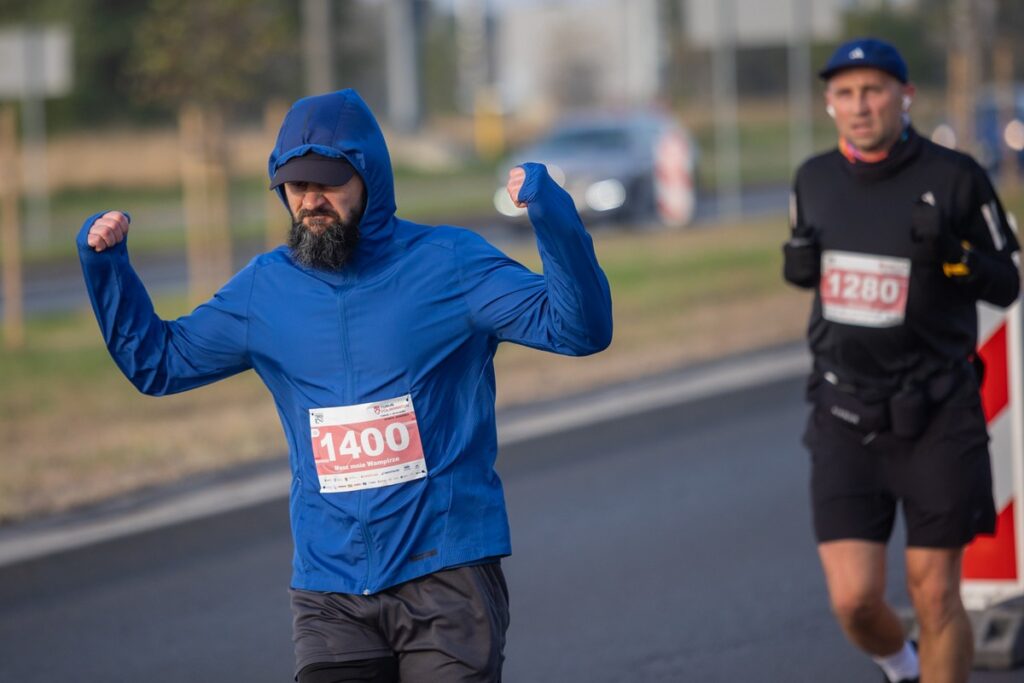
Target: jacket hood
340	125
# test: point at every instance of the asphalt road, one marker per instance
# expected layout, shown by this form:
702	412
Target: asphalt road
674	546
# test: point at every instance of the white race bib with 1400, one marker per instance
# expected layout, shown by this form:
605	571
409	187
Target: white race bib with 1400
366	446
864	290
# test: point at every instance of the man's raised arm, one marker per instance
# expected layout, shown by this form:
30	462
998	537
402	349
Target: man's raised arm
157	356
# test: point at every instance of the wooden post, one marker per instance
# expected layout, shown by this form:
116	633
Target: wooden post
204	177
218	218
276	219
193	186
962	67
10	229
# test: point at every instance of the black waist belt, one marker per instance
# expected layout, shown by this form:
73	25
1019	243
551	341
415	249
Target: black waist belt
903	407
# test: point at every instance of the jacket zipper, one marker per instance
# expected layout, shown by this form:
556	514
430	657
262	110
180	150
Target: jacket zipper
350	396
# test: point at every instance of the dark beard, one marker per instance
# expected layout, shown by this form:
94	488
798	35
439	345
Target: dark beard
329	249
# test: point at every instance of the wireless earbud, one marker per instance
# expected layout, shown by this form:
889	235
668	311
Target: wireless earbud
907	101
830	110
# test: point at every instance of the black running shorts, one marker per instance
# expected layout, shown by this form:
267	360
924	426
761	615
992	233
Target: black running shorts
943	478
446	626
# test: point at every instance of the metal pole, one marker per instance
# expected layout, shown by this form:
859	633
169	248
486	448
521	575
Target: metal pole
33	130
316	46
471	54
801	121
636	19
723	93
402	65
627	85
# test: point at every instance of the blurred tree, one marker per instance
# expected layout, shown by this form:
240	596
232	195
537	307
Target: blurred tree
106	47
919	31
213	54
101	46
204	58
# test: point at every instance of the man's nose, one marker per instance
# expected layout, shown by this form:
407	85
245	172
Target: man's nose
312	199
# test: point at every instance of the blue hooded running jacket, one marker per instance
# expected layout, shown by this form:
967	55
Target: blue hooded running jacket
390	357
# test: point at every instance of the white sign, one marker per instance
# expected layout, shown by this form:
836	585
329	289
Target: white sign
35	62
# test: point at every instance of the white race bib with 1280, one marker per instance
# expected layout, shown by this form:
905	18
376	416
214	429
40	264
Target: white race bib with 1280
863	289
366	446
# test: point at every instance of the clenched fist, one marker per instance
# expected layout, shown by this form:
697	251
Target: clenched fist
516	177
108	230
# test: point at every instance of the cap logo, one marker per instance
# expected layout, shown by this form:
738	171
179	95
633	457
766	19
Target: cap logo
856	53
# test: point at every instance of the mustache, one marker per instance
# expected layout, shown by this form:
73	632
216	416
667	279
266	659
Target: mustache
311	213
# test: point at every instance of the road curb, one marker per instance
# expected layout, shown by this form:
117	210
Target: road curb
30	541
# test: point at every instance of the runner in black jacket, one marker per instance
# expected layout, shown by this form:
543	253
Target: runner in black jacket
900	238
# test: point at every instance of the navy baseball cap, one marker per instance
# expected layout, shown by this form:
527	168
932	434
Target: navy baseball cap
313	168
868	53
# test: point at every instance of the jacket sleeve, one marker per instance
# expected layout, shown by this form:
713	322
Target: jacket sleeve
164	357
995	272
568	309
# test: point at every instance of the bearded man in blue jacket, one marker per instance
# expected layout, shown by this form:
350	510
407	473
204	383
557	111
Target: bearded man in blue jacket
376	338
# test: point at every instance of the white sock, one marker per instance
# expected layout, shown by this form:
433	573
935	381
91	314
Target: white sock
901	665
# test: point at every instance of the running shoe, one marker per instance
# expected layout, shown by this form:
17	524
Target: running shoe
885	679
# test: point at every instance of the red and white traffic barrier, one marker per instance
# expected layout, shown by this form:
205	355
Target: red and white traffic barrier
993	566
674	193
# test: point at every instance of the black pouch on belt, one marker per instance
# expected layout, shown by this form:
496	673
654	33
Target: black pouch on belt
909	410
846	407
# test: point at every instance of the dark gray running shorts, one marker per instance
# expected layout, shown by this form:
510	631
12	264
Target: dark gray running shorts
943	478
446	626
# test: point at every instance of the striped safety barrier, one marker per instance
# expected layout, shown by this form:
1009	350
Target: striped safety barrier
993	566
674	193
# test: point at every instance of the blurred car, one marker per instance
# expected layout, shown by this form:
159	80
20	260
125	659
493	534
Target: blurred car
633	167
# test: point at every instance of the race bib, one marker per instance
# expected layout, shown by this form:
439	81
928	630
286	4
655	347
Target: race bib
366	446
864	290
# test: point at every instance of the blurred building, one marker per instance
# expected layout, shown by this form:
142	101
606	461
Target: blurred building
761	23
575	53
570	53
